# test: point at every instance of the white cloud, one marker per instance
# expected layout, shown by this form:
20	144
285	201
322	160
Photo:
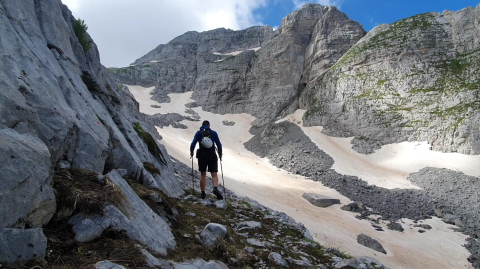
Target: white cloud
337	3
125	30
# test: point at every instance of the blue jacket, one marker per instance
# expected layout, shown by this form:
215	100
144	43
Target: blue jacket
213	135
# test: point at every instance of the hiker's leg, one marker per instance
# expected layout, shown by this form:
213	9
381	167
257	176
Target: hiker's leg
203	180
214	179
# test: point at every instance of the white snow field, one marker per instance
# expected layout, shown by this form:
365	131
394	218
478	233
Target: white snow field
248	175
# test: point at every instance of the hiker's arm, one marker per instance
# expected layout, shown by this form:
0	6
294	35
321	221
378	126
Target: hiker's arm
194	143
217	142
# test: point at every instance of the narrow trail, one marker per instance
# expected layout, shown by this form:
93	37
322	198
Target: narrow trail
248	175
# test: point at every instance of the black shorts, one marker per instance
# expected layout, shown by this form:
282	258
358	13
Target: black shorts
207	159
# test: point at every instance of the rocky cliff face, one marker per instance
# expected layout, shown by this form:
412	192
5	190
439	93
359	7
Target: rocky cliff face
60	108
264	83
416	79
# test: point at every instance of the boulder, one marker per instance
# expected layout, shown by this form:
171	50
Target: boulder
108	265
277	259
395	226
450	218
87	228
320	200
138	220
255	242
249	225
217	229
369	242
200	264
207	239
26	195
221	204
17	245
360	263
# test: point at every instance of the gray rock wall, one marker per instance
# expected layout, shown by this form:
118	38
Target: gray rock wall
416	79
60	107
265	83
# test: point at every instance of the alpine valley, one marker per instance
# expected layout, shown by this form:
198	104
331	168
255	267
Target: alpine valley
342	148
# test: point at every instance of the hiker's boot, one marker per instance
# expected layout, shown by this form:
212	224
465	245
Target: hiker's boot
203	195
218	194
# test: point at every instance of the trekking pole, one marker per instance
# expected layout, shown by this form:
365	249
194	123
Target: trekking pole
193	182
221	169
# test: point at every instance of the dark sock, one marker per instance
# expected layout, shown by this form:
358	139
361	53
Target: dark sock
203	191
215	188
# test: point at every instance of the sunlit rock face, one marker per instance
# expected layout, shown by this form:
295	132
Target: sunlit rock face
416	79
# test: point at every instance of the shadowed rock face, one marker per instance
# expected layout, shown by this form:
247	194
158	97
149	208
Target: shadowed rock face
59	107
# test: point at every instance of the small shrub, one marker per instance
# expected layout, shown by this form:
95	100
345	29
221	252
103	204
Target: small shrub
80	29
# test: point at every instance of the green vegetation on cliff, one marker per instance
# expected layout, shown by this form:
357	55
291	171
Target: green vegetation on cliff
80	29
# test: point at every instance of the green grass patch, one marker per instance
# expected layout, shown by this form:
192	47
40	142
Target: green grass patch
150	142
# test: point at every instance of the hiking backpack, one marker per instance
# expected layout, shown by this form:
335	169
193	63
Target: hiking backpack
206	140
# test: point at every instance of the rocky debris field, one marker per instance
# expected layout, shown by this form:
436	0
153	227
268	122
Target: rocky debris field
459	196
448	193
208	233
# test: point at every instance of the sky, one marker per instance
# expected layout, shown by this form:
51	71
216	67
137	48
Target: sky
125	30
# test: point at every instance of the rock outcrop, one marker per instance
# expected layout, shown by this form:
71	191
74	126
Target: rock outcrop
60	108
415	79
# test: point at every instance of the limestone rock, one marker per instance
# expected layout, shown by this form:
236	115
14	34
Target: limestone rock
88	228
255	242
26	193
369	242
320	200
152	261
17	245
200	264
277	259
393	86
138	220
217	229
207	239
395	226
249	225
360	263
108	265
221	204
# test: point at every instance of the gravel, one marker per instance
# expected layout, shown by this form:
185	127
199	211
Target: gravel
443	190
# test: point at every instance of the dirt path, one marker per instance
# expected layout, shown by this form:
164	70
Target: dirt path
248	175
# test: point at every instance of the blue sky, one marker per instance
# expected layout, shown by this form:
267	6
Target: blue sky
369	13
125	30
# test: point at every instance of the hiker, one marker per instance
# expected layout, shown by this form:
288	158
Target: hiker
207	157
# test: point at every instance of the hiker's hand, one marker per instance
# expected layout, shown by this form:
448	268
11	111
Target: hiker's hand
220	156
191	154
